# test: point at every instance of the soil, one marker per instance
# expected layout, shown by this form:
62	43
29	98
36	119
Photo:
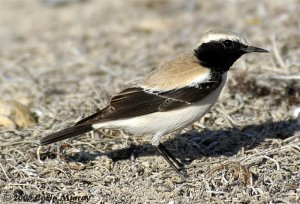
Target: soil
64	59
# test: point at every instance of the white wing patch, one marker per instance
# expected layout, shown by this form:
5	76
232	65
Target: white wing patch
204	77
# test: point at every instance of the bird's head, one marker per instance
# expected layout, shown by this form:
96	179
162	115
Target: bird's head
219	50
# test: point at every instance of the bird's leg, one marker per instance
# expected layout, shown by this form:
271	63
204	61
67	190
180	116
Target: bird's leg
165	151
174	163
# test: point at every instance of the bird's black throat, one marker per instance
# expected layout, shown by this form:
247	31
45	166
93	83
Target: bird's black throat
219	55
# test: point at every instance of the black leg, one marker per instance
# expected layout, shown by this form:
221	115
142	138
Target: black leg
174	163
162	148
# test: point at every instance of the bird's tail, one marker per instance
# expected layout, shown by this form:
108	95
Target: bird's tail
66	133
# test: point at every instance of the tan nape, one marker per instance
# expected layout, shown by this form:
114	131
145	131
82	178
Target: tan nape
183	70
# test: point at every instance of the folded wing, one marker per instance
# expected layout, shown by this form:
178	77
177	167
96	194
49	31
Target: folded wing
138	101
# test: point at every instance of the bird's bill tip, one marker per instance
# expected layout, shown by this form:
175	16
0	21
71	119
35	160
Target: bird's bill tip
250	48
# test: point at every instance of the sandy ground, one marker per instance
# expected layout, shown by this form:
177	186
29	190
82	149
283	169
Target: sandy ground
65	61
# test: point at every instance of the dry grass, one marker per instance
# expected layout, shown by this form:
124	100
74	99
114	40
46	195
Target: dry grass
64	62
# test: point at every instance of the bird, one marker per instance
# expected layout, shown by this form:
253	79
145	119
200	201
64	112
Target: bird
176	94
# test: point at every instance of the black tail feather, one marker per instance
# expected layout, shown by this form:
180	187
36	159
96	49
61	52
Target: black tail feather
66	133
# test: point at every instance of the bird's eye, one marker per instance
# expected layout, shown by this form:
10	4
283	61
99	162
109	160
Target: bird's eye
227	43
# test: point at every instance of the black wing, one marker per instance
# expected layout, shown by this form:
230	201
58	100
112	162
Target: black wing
134	102
137	101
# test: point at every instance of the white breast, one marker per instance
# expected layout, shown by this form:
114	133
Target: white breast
166	122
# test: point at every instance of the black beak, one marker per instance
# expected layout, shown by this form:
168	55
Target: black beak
249	48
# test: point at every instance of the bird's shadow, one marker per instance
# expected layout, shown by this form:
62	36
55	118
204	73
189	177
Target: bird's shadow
210	143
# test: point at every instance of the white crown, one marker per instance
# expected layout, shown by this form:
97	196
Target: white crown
221	35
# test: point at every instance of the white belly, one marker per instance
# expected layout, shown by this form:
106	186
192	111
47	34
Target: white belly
165	122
